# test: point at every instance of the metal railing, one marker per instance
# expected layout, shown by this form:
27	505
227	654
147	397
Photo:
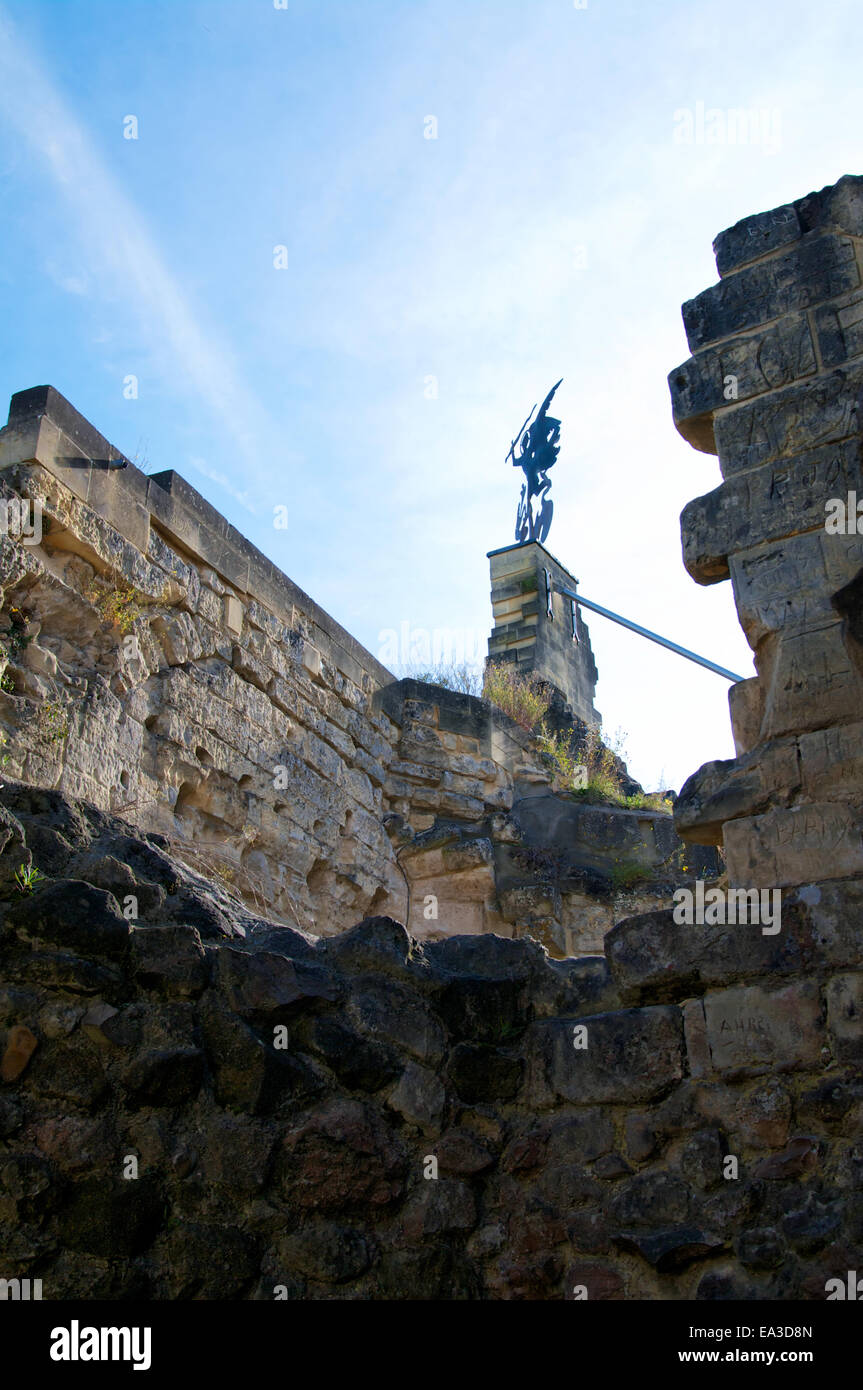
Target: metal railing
652	636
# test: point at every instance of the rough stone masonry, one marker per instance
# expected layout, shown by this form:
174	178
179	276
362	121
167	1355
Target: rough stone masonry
157	665
774	388
197	1101
203	1104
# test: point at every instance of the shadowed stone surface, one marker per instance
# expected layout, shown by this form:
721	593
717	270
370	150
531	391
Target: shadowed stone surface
368	1117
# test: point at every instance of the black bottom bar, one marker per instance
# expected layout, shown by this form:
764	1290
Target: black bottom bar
285	1339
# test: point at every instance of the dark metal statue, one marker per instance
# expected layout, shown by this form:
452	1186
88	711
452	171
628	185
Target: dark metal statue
539	444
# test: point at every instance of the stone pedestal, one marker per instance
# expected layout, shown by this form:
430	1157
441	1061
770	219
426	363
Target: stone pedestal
535	627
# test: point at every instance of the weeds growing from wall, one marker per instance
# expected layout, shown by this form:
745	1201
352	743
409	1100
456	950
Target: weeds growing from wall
119	605
626	873
465	679
584	765
523	697
27	877
53	721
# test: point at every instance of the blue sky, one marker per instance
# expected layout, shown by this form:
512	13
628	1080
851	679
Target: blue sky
434	288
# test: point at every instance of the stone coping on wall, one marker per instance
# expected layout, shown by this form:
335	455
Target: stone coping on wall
45	428
525	545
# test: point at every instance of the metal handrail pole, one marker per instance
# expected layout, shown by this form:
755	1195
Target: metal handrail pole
652	636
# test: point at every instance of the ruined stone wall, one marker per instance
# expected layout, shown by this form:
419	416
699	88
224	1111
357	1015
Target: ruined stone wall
155	664
482	827
368	1117
774	388
162	667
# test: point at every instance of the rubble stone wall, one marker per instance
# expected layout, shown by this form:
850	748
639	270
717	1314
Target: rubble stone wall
200	1104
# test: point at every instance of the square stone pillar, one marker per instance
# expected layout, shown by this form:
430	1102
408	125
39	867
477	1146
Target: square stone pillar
535	627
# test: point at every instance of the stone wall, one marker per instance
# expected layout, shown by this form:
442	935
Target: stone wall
197	1101
200	1104
774	388
155	664
187	682
482	829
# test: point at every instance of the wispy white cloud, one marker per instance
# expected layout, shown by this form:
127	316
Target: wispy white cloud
123	258
72	284
200	466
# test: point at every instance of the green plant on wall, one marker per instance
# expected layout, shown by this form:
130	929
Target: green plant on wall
27	877
463	677
119	605
16	639
523	697
649	801
53	721
625	873
587	768
505	1031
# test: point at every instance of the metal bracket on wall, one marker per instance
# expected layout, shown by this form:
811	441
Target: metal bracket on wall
573	607
549	589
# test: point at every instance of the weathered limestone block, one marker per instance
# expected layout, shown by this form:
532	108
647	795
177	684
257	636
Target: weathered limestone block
721	791
768	504
812	272
784	847
791	584
786	423
530	902
759	363
811	680
210	607
753	1028
774	387
844	994
833	209
419	1097
452	886
821	765
651	957
838	328
261	618
186	575
21	1043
